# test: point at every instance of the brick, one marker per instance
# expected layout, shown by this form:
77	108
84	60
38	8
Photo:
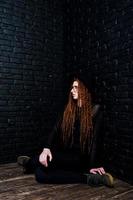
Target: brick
107	32
24	72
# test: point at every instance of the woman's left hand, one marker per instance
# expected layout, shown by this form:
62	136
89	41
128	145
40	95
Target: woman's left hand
99	170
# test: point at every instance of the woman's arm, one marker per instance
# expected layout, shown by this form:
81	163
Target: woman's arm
46	154
97	136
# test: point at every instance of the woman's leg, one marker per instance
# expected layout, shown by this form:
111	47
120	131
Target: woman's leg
67	161
59	176
29	164
65	173
64	168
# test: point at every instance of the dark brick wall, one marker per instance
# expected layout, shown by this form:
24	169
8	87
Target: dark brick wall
96	39
77	30
115	77
31	58
99	41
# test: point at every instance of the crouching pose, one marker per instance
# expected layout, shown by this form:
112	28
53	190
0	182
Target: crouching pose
67	154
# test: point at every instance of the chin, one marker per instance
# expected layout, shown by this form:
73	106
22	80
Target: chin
75	98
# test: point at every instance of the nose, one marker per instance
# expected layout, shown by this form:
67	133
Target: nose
72	90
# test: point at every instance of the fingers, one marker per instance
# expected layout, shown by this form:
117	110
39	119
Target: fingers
92	171
99	170
102	170
45	156
50	157
43	160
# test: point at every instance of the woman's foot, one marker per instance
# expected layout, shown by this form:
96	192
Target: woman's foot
23	161
99	180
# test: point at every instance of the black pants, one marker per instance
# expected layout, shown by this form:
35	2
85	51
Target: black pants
64	168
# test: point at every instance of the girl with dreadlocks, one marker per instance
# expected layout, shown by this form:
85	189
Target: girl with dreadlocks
66	157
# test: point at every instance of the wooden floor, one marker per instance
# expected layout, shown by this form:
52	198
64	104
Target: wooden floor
15	186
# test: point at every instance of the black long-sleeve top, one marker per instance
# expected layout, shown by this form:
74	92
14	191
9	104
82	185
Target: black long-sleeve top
54	140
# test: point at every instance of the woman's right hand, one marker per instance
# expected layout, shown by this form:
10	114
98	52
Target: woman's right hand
45	156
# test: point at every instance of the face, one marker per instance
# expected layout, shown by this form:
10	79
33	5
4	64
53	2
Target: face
74	90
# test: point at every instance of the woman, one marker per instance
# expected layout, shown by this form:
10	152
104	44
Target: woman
66	156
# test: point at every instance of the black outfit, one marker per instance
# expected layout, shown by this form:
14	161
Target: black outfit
69	164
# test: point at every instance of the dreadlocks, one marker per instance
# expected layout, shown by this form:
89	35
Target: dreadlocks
84	114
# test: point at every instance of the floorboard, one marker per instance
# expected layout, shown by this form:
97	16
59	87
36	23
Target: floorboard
14	185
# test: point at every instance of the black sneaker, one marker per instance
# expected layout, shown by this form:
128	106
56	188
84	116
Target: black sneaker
99	180
23	161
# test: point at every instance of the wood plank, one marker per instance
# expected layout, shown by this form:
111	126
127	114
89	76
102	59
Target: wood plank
14	185
127	195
